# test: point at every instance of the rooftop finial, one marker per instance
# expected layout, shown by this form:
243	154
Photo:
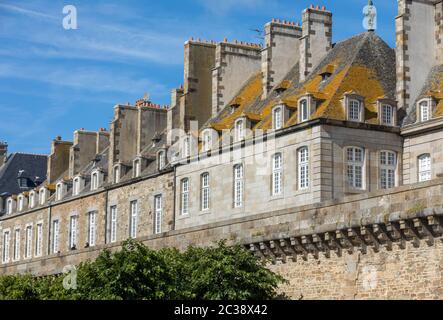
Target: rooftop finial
370	16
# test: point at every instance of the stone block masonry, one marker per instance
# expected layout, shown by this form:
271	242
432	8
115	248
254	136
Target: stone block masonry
374	246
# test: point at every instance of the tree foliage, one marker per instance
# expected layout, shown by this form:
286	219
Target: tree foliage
139	273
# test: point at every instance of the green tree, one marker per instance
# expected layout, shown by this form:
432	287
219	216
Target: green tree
139	273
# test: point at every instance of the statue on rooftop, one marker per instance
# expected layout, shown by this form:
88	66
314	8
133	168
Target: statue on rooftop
370	16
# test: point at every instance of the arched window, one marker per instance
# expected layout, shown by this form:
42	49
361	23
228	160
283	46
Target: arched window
388	165
94	181
21	203
185	196
387	114
137	168
32	199
355	163
42	196
116	174
59	192
304	110
303	168
277	174
424	167
425	112
354	110
205	191
240	130
277	118
238	185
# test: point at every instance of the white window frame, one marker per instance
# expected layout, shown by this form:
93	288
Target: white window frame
239	184
425	109
240	128
351	112
277	174
92	228
21	203
42	196
303	168
76	186
158	213
303	110
73	222
388	169
95	180
184	196
28	242
133	222
424	167
205	191
6	248
32	200
277	117
10	206
355	167
113	227
17	241
186	147
55	245
207	141
387	118
59	192
39	240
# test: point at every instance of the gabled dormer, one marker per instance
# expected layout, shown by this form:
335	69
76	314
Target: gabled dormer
307	105
387	112
78	184
11	205
61	190
425	109
209	139
22	202
33	199
43	195
97	179
354	107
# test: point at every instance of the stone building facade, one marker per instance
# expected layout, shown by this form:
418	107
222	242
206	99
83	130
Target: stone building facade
325	158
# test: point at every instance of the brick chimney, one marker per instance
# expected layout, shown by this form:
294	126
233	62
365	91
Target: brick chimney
317	38
281	52
3	152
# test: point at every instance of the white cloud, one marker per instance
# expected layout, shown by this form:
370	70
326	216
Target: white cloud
24	11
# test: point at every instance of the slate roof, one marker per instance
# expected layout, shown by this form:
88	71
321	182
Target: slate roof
33	165
363	64
433	87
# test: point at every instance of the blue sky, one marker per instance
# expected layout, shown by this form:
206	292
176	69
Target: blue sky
54	81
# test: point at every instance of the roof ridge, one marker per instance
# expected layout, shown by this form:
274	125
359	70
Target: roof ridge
30	154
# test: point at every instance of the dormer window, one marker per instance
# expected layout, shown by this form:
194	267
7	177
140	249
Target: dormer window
32	199
186	151
42	196
137	168
117	172
387	114
304	110
60	191
161	160
354	111
21	203
207	141
277	118
10	206
425	111
96	179
78	185
240	129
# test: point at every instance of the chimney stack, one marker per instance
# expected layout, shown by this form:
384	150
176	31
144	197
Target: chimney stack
3	152
317	38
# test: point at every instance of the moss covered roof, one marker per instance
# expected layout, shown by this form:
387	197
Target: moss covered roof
433	88
363	64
